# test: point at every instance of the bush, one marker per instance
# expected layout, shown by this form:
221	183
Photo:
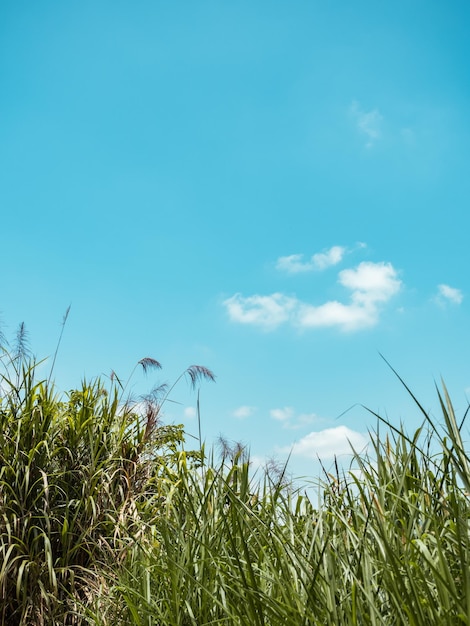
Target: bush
74	473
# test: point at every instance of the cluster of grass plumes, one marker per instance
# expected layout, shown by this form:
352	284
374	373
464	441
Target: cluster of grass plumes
106	520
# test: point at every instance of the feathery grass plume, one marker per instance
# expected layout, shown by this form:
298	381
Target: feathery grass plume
158	393
148	363
235	451
21	349
224	447
277	473
197	373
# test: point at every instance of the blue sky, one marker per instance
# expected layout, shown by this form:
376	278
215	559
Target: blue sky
275	190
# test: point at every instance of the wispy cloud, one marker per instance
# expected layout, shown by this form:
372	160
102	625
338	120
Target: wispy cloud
449	294
328	443
372	285
242	412
369	123
282	415
267	312
289	419
294	264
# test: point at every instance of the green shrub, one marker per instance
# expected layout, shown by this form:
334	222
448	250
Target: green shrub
74	472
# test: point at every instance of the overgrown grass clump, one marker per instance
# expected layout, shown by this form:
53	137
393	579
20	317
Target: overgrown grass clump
76	475
106	520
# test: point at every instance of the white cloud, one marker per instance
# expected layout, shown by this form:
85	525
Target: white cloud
371	281
328	443
449	294
294	264
282	415
244	411
190	412
333	256
368	122
347	317
302	420
265	311
290	420
371	284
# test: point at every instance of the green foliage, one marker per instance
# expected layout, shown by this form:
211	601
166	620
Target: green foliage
73	473
386	544
106	520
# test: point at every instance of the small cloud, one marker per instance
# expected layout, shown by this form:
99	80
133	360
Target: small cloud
328	443
449	294
190	412
333	256
282	415
294	263
290	420
243	412
347	317
303	420
269	312
371	284
367	122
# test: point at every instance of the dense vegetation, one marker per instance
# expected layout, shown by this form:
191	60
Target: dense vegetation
106	520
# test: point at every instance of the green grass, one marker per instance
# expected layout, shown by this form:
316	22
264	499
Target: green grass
388	545
106	520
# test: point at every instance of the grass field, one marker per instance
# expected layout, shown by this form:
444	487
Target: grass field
105	519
